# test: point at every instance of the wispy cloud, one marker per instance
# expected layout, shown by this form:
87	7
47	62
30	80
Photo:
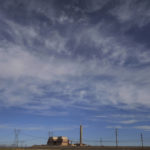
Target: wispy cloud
65	128
129	121
126	10
41	71
101	116
37	127
143	127
73	62
115	127
12	127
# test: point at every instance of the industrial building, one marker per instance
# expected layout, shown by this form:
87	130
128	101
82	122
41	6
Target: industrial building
58	141
64	141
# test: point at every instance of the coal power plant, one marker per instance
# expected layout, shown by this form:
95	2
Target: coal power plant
58	141
64	141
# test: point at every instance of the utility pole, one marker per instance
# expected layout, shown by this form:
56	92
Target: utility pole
142	140
16	131
116	131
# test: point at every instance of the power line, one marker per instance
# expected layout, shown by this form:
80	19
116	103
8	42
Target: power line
21	143
50	133
38	137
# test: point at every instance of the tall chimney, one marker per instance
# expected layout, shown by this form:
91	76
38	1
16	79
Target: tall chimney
81	135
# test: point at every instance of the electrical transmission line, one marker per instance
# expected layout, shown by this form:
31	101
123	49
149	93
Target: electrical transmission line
50	133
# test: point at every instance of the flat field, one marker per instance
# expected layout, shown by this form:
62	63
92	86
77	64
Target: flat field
79	148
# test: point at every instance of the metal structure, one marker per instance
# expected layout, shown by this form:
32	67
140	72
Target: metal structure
16	143
50	133
142	140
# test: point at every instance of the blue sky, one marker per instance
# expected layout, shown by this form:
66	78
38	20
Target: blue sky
69	62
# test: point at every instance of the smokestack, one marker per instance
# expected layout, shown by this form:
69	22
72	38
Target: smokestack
81	135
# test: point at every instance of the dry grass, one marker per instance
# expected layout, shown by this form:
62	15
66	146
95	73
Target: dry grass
78	148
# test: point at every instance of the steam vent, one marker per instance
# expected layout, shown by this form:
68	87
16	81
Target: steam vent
58	141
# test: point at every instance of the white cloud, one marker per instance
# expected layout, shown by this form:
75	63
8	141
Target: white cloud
126	116
16	62
37	127
95	5
29	73
144	127
101	116
65	128
114	127
129	121
56	43
125	11
24	72
8	126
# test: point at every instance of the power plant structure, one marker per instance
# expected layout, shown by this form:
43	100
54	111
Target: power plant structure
81	133
58	141
64	141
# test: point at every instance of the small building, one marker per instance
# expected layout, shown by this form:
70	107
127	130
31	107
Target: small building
58	141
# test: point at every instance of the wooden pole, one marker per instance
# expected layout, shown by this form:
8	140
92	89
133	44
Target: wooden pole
116	131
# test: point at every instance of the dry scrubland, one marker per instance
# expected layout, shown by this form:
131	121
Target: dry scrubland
78	148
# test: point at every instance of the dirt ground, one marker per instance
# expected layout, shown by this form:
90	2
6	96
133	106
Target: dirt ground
79	148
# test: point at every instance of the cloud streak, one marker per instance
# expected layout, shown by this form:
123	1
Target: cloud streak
126	10
144	127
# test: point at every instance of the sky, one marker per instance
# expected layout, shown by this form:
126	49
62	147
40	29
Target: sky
69	62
